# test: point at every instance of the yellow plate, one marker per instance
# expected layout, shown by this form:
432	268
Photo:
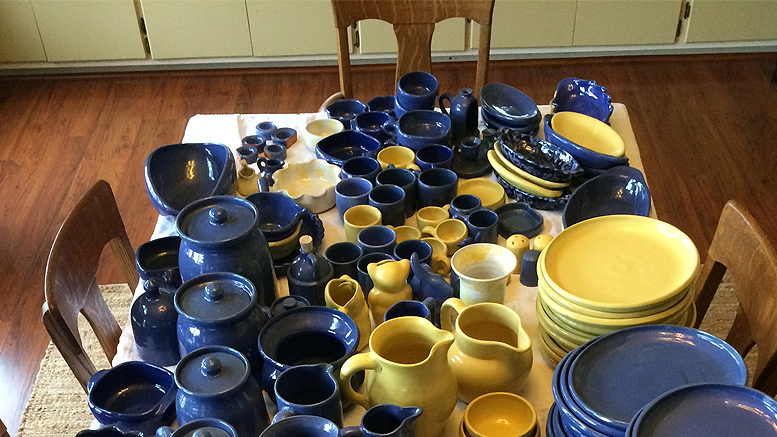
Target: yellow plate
550	350
518	181
620	263
588	132
564	338
490	193
528	176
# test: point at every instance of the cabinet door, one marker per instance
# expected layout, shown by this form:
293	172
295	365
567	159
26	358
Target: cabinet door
196	28
377	36
626	22
732	20
530	23
292	27
86	30
19	37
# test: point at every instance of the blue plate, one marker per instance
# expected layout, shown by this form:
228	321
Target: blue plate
583	96
704	410
508	105
621	372
553	427
585	157
607	194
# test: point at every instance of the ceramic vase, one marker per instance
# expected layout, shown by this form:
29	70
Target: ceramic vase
463	114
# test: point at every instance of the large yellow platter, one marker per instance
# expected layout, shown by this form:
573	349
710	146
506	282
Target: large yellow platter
620	263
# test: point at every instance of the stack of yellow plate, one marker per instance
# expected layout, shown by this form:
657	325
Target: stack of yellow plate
521	179
610	273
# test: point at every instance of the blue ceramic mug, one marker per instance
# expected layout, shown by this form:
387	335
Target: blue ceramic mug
422	249
361	266
343	256
377	239
360	167
409	308
482	225
351	192
433	156
463	205
417	90
405	179
436	187
390	200
309	390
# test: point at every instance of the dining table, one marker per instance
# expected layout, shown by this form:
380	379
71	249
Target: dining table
229	129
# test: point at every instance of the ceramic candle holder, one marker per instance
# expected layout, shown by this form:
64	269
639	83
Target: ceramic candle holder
275	151
285	137
265	129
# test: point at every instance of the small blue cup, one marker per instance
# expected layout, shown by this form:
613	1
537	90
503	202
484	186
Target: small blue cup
351	192
364	277
405	308
345	110
265	129
405	179
433	156
405	249
377	239
390	200
463	205
436	187
371	123
417	90
360	167
482	225
343	256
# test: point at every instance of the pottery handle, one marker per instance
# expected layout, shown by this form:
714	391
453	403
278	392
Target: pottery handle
428	231
351	431
445	96
449	312
441	265
355	364
167	401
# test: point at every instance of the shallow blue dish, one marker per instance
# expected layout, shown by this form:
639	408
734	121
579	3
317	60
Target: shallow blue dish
703	410
339	147
508	105
585	157
538	157
518	218
607	194
583	96
345	110
532	128
621	372
536	202
178	174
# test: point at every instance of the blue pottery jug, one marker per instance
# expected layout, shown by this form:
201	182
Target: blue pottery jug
154	320
463	114
216	382
220	309
386	420
309	273
221	234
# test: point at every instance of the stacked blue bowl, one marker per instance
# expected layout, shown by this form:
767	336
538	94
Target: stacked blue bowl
600	386
504	107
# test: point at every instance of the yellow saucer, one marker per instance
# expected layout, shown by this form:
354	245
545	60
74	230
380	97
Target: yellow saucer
620	263
552	353
588	132
517	181
526	175
490	193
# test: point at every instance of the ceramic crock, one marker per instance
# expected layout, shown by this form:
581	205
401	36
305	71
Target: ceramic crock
220	309
199	428
408	363
221	234
154	319
216	382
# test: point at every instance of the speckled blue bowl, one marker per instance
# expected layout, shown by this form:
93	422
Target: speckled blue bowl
607	194
538	157
583	96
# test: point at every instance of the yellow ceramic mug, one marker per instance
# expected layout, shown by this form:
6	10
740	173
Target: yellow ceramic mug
430	216
317	130
359	217
406	232
441	264
450	231
399	156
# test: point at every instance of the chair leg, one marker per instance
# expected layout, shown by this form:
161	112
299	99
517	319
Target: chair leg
774	74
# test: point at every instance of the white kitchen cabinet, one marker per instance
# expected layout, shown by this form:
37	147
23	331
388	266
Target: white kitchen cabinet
732	20
530	23
626	22
292	27
19	37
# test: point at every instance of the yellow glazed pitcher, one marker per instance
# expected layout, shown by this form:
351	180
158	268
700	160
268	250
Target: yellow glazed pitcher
345	295
492	352
408	360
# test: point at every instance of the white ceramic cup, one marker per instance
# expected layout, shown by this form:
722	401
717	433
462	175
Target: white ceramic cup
483	270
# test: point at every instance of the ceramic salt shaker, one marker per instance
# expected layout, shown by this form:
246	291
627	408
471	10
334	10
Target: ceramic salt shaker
309	273
154	320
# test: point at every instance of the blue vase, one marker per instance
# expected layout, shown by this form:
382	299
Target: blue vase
309	273
463	114
154	322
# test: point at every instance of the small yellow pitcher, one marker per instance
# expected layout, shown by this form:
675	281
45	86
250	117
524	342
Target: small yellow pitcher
492	352
408	366
345	295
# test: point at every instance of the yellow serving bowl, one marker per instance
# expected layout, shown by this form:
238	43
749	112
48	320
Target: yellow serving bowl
517	181
490	193
589	133
500	414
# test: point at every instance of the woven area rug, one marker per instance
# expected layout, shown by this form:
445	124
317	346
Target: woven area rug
57	406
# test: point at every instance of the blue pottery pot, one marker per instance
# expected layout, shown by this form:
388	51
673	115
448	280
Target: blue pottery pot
287	303
311	390
386	420
483	226
338	148
221	234
377	239
133	396
157	260
463	205
179	174
216	382
382	104
154	320
406	249
220	309
345	110
416	129
607	194
343	256
417	90
360	167
304	426
390	201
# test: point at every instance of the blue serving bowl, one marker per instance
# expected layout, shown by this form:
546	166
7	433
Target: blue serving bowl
416	129
345	110
417	90
538	157
531	129
279	215
382	104
585	157
607	194
339	147
583	96
508	105
178	174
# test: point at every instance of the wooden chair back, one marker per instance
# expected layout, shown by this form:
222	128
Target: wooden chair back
3	430
741	248
71	278
413	22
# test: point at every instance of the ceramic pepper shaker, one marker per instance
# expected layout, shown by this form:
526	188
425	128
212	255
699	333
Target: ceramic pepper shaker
463	114
154	321
309	273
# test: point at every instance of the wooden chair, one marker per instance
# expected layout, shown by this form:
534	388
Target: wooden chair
3	430
71	278
741	248
413	22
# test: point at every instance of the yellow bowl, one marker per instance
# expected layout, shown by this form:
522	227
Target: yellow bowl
517	181
500	414
317	130
526	175
620	263
282	248
588	132
490	193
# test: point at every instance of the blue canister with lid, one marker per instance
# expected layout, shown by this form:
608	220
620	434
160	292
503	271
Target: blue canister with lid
221	234
153	318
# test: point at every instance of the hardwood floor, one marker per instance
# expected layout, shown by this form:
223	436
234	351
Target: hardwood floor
706	127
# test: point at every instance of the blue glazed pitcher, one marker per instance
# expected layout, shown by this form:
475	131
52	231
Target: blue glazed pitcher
463	114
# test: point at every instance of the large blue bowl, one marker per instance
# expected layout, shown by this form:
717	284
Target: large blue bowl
586	157
508	105
419	128
178	174
345	110
583	96
340	147
607	194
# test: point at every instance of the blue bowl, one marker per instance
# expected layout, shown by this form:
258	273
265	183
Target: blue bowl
178	174
371	123
508	105
279	215
537	157
583	96
531	129
417	90
416	129
339	147
585	157
382	104
345	110
433	156
607	194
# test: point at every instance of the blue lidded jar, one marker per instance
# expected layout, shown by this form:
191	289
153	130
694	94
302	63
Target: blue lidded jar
153	318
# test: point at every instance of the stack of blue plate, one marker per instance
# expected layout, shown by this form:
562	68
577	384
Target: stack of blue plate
600	386
504	107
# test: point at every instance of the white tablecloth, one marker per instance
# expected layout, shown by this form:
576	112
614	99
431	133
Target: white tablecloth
229	129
